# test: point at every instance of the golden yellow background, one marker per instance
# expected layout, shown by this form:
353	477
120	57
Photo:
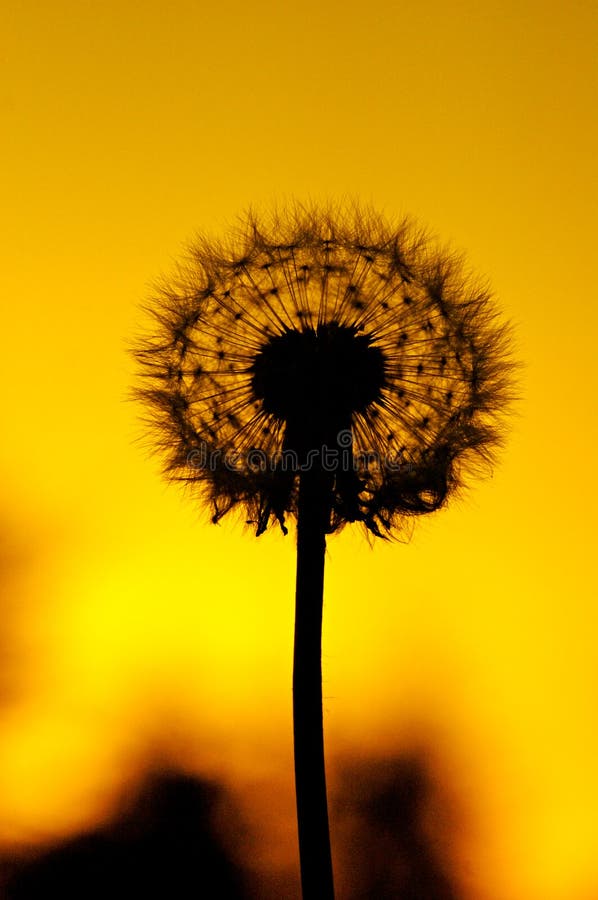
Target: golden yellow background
132	629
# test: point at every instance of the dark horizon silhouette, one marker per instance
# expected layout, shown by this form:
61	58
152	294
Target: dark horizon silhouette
388	850
168	843
183	837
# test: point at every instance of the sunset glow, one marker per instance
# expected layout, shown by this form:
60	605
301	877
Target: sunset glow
135	633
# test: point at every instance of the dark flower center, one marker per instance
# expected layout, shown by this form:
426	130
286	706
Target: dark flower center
314	380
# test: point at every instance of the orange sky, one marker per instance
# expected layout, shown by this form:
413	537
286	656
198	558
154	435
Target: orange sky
129	127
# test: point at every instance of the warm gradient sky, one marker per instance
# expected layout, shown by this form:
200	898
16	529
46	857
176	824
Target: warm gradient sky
129	627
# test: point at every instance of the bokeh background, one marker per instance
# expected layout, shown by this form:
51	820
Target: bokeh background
136	637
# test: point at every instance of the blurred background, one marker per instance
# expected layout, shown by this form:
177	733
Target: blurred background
145	655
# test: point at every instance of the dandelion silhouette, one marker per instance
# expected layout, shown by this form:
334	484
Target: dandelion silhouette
327	367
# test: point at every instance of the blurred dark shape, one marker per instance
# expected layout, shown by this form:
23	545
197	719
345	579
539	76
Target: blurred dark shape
392	834
22	550
173	842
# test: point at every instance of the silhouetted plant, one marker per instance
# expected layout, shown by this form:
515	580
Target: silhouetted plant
394	824
167	843
332	368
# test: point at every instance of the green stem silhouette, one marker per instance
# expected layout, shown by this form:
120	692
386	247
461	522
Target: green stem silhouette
310	776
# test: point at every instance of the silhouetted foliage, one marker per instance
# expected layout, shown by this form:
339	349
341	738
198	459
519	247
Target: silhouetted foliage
387	848
168	845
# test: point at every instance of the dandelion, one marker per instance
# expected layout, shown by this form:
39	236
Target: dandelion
323	367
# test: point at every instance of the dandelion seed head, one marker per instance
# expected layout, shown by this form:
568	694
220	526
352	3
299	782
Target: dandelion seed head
313	325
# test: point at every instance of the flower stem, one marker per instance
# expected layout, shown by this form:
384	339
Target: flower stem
310	777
